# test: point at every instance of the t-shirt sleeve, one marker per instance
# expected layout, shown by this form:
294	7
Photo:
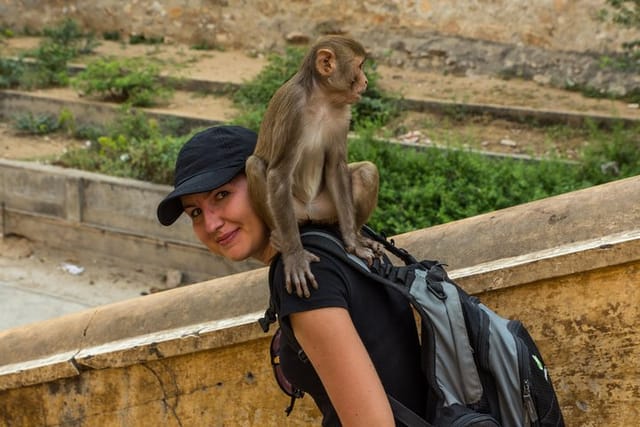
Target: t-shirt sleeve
333	287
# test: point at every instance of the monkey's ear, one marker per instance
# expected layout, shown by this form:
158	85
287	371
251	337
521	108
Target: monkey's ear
325	62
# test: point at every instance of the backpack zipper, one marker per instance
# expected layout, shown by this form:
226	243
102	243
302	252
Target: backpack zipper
528	403
525	373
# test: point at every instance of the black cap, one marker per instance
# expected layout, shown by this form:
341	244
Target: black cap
209	159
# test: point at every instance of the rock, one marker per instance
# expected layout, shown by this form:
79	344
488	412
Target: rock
173	279
508	143
297	38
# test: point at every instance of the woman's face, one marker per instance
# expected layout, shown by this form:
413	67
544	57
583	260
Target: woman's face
224	220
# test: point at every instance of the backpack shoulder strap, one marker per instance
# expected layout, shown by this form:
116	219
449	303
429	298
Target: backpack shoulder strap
270	314
331	244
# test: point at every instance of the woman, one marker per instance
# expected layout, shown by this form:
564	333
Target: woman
360	340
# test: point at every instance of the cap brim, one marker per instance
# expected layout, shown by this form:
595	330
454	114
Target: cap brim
170	209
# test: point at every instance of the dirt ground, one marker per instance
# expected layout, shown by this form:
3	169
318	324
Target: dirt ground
36	268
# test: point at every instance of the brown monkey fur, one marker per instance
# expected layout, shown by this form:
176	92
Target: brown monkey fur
299	172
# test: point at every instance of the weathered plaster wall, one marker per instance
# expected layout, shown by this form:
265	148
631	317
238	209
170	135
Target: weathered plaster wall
228	386
260	24
218	373
195	356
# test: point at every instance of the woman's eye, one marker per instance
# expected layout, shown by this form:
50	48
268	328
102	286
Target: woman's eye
195	213
221	195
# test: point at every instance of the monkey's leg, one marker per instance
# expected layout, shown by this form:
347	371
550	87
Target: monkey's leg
364	188
365	182
365	185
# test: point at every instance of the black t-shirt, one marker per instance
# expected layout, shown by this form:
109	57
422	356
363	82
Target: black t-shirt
382	318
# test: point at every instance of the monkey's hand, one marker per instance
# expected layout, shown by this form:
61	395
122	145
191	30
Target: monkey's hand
297	272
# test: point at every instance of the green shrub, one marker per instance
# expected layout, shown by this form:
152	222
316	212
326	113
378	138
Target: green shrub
50	68
11	71
45	123
36	124
61	44
142	39
111	35
421	188
375	108
611	155
133	80
134	146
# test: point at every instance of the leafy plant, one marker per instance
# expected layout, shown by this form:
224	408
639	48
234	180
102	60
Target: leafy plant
36	124
61	44
134	146
50	68
6	32
39	124
421	188
11	72
111	35
130	80
375	108
68	33
611	155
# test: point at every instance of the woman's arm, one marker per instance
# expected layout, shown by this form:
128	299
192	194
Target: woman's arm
335	349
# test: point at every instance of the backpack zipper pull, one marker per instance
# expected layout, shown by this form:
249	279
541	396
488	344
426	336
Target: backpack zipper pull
528	403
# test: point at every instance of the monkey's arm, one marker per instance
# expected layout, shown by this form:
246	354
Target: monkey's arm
279	144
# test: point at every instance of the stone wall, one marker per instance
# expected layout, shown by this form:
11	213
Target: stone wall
262	25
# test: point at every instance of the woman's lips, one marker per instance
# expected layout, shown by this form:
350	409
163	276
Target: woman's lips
227	238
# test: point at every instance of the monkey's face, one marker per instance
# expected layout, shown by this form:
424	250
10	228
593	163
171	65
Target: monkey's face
224	221
359	82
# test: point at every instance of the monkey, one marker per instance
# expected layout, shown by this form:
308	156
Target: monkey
298	171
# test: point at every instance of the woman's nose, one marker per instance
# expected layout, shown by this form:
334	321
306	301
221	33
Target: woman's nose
212	220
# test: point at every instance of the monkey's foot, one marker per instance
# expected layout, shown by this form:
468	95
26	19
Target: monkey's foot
376	247
298	273
366	249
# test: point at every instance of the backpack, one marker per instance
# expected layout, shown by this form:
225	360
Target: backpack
481	369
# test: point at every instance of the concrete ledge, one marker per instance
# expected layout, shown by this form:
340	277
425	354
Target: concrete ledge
550	263
134	350
68	208
213	301
519	114
225	311
578	216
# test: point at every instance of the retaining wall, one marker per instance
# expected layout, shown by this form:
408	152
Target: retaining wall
67	208
195	355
